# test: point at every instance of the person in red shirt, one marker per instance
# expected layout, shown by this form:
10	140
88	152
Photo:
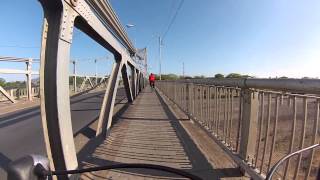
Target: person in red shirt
152	79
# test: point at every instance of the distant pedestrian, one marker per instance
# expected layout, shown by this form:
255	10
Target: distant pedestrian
152	79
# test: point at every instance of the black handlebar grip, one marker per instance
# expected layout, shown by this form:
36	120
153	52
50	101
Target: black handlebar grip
25	168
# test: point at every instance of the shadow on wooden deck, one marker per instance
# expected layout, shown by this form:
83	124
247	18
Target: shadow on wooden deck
147	132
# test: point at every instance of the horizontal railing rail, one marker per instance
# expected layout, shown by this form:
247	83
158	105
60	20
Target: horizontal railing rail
256	124
309	86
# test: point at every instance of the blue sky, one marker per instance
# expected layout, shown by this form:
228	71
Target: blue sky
262	38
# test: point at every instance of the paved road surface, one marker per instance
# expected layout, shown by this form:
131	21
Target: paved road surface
21	131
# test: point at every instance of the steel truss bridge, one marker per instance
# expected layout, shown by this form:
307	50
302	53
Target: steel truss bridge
253	122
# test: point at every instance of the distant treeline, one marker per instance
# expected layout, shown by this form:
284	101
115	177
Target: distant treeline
17	84
175	77
12	85
218	76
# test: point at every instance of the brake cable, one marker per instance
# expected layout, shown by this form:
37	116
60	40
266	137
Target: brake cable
42	172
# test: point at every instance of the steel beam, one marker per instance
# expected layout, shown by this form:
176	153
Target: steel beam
106	113
90	76
104	10
13	59
54	82
91	84
17	71
138	82
83	83
60	18
133	81
4	92
126	83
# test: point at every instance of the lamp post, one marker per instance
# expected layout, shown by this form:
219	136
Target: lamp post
183	75
160	44
74	76
95	63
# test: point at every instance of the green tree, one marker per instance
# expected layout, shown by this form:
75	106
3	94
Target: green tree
15	85
170	77
187	77
219	76
199	77
237	75
247	76
283	77
167	77
2	82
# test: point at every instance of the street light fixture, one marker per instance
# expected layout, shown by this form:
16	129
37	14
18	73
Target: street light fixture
131	26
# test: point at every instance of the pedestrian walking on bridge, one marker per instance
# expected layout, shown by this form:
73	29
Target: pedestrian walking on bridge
152	79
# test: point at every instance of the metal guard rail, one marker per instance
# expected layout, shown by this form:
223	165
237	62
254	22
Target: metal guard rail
311	86
255	121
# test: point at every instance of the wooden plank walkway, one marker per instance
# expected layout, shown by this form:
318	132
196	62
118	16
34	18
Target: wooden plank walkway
149	132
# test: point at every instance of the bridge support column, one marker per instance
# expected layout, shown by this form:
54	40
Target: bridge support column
60	18
140	83
8	96
249	124
106	113
133	81
137	82
91	84
126	83
54	85
83	83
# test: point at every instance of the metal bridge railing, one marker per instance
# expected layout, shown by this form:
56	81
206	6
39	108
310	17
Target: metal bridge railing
88	82
256	126
17	93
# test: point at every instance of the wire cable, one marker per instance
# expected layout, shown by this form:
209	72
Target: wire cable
170	24
173	19
42	172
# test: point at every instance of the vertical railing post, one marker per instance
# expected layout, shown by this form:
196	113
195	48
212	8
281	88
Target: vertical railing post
11	93
192	95
188	98
28	82
249	124
175	92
